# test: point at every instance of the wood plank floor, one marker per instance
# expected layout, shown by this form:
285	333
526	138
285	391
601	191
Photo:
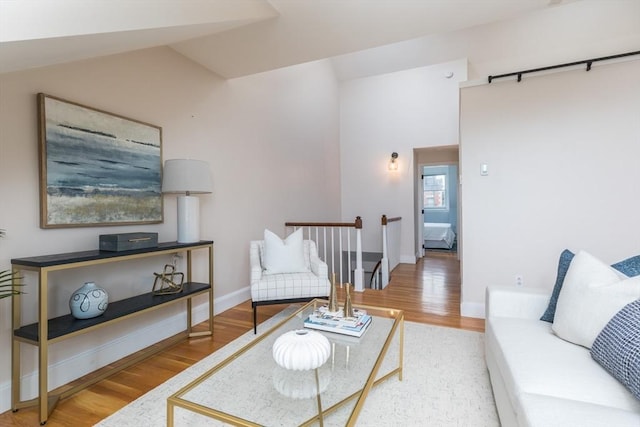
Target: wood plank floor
428	292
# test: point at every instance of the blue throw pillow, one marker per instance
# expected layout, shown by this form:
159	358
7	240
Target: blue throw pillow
563	265
617	347
630	267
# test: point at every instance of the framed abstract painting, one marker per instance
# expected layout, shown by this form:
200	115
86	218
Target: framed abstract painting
97	168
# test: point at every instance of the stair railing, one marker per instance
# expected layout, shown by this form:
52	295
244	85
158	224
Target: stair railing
331	239
374	282
390	248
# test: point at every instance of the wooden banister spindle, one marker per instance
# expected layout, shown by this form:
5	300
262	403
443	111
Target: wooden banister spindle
384	263
359	272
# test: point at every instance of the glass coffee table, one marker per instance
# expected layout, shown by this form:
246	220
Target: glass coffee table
250	389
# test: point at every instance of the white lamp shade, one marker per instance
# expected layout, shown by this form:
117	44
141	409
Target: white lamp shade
186	176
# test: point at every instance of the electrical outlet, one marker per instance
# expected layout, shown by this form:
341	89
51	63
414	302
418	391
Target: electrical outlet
519	280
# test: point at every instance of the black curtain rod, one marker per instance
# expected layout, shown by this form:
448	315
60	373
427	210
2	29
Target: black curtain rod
588	62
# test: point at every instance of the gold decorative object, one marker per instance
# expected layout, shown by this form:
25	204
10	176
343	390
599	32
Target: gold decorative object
164	283
333	298
348	308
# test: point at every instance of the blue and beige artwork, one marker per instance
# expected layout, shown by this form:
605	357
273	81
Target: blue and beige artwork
100	168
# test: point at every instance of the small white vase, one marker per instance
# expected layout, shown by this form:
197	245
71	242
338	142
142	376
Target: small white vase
88	301
301	350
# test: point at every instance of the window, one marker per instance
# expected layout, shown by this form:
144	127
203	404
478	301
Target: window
435	191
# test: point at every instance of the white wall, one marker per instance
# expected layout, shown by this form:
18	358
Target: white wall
562	151
393	112
271	140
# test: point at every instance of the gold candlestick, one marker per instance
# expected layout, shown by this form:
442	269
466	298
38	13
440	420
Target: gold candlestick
348	308
333	298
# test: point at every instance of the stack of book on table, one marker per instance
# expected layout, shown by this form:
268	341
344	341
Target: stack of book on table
335	322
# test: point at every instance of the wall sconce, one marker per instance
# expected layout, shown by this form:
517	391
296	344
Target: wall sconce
393	163
184	178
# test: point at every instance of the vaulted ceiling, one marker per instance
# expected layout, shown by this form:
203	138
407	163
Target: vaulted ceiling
235	38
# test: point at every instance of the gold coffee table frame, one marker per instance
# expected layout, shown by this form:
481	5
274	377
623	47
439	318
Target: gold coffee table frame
397	316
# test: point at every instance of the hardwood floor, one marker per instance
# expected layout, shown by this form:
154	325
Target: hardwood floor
428	292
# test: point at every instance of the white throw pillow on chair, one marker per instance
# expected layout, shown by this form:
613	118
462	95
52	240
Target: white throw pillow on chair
283	256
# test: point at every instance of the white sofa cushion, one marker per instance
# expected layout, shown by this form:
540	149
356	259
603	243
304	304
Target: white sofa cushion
532	359
539	410
591	295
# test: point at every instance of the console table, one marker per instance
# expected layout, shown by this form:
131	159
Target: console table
60	328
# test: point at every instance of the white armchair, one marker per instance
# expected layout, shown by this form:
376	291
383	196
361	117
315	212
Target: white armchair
282	288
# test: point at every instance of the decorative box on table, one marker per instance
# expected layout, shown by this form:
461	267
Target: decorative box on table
127	241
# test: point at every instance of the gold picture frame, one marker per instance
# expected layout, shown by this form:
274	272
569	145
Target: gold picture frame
97	168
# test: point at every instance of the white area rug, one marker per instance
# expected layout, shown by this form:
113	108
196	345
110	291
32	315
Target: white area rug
445	383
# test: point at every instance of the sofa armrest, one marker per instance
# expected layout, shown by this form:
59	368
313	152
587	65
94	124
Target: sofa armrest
524	303
319	267
256	274
254	261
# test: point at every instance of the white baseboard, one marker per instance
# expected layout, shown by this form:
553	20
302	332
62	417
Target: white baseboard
472	309
87	361
228	301
408	259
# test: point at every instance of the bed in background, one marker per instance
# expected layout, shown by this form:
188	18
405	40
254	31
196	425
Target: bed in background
438	236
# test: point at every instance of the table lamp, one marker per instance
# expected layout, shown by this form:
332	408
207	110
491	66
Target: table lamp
185	177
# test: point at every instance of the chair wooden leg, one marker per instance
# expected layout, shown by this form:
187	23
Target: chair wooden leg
255	319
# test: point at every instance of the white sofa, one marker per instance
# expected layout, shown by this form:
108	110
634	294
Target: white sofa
541	380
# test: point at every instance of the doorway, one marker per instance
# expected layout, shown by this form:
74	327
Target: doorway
437	195
440	207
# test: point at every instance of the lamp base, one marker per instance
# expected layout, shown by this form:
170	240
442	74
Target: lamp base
188	219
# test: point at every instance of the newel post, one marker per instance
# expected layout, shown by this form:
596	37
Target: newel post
384	263
359	271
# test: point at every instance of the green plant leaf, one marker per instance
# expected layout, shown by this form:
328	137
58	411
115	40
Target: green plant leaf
9	284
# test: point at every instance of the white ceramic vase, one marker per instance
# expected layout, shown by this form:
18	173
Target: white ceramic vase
88	301
301	350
